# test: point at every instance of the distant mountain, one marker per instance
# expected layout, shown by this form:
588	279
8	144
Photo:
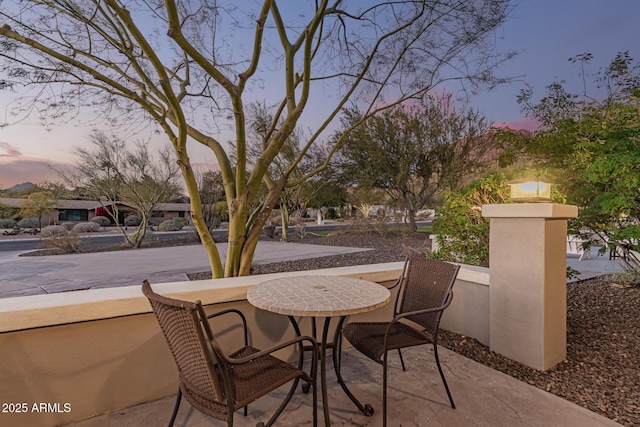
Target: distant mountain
20	188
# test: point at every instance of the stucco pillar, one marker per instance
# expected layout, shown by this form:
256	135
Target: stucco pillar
527	293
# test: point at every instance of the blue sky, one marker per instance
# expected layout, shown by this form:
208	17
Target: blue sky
545	32
549	32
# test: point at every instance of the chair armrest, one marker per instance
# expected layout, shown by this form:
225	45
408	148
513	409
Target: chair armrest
398	281
401	278
280	346
230	310
242	317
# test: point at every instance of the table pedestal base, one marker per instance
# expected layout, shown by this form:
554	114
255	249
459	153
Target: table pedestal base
336	347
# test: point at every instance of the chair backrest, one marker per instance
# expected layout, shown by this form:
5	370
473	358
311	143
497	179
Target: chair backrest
428	284
190	342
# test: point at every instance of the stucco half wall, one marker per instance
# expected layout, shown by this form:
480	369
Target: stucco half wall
86	353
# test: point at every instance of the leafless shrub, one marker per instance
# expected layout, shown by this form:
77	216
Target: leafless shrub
66	243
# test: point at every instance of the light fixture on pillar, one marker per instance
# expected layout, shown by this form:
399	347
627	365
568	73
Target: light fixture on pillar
530	190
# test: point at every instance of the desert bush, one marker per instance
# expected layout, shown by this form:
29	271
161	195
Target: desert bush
7	222
86	227
170	225
462	231
331	214
68	225
148	234
103	221
301	231
53	230
222	211
64	243
132	221
270	231
181	221
28	223
155	221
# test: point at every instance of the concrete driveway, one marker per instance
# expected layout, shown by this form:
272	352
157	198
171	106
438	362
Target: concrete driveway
21	276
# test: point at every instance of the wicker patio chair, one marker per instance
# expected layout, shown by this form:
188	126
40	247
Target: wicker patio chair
216	383
420	302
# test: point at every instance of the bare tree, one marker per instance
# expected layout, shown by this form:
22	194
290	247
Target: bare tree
211	192
297	192
112	173
191	66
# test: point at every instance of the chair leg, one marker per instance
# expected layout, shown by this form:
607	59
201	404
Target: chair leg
401	360
366	409
284	403
176	407
444	381
384	390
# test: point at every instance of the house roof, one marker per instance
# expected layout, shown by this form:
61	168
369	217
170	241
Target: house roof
92	204
59	204
173	207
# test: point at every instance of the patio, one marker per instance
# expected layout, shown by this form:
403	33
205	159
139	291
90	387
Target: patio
484	397
55	338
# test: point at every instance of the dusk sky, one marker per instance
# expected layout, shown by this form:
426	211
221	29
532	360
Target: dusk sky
545	32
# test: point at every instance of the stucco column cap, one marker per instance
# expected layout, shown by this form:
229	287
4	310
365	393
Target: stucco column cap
530	210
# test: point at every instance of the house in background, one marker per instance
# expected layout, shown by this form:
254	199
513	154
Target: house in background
85	210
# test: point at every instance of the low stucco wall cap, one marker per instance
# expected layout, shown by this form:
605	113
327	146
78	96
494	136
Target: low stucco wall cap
530	210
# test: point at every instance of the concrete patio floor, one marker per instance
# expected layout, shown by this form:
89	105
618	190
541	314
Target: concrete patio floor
483	397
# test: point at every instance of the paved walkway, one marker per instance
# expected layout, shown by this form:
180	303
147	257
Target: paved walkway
595	265
22	276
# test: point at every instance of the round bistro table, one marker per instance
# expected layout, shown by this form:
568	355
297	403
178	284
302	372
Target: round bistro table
319	296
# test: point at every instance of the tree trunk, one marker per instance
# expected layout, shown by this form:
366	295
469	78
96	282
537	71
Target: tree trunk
284	214
413	227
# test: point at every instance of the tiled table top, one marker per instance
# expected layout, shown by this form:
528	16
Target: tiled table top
318	296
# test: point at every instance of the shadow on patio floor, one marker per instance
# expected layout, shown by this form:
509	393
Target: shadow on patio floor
483	396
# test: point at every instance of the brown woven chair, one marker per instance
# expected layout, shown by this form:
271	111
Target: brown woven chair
421	300
213	382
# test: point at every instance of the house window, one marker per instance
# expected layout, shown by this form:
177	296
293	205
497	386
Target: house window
157	214
73	215
180	214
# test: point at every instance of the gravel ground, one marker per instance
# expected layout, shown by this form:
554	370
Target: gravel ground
601	372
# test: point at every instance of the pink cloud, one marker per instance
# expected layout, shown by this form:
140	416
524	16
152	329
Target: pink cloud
16	168
8	150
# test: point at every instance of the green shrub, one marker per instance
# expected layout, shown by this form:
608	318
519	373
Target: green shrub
7	222
221	210
103	221
68	225
462	232
331	214
170	225
181	221
155	221
86	227
132	221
